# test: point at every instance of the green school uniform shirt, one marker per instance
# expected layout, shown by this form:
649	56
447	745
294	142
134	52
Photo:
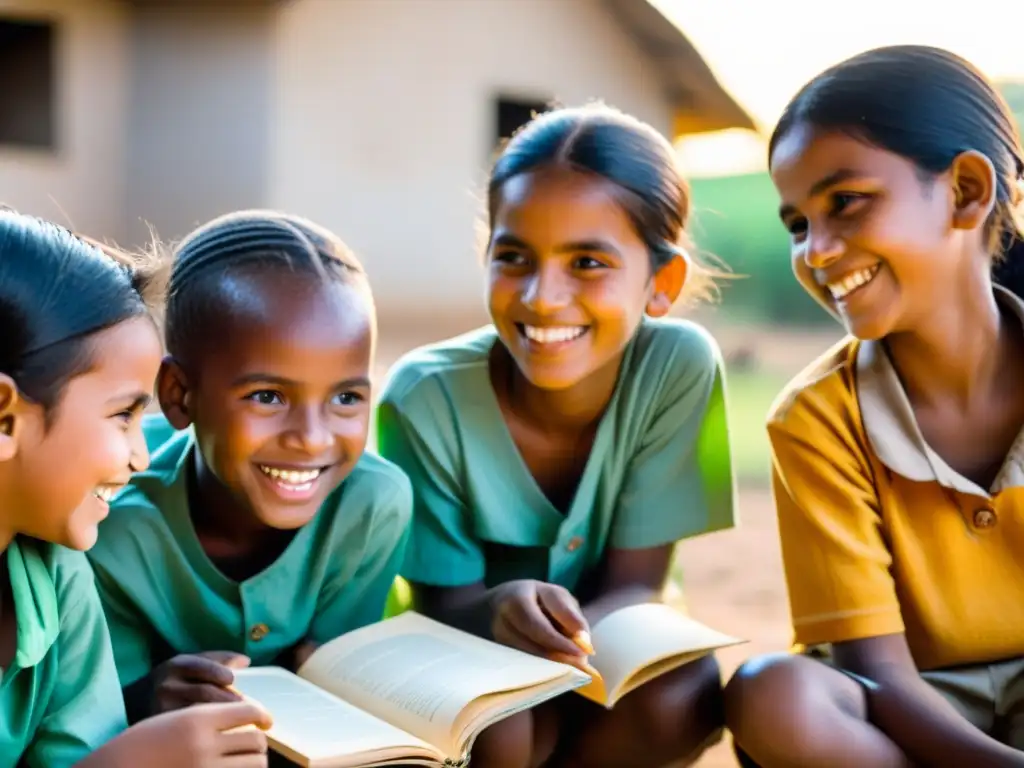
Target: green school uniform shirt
659	470
60	698
163	596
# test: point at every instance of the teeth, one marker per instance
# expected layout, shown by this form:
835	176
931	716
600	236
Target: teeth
553	335
851	282
106	492
299	480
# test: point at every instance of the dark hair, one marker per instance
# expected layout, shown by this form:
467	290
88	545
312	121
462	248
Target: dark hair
245	241
598	139
57	289
928	106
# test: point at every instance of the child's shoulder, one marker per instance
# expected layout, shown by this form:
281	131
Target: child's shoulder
679	342
670	355
437	366
378	478
827	388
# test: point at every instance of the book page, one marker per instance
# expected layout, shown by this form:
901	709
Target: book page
420	675
313	725
645	637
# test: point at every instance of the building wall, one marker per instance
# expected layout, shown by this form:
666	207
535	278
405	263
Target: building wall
199	116
79	182
384	121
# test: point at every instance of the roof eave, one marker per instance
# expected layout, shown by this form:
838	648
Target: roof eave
700	102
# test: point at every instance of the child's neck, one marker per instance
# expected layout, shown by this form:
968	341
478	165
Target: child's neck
959	352
576	408
237	543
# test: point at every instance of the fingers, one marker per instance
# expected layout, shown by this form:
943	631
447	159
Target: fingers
563	610
200	668
523	612
224	717
249	741
229	659
183	693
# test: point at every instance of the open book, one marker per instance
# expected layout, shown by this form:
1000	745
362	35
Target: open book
641	642
405	691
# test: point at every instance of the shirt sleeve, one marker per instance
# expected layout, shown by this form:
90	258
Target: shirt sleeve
130	634
341	609
679	483
442	549
86	708
836	561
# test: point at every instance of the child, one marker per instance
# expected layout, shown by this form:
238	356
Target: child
261	528
78	356
558	456
897	456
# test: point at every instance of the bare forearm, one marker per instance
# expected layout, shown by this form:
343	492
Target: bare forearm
618	597
927	727
470	611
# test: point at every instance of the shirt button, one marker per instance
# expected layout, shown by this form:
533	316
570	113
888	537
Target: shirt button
574	543
984	518
258	632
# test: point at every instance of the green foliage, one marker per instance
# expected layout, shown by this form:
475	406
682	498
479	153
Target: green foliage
735	220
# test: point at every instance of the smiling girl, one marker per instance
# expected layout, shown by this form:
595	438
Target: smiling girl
557	456
78	356
899	456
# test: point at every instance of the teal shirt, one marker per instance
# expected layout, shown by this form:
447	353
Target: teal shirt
60	699
659	470
163	596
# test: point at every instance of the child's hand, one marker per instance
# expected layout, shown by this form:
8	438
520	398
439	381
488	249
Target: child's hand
542	619
199	737
199	678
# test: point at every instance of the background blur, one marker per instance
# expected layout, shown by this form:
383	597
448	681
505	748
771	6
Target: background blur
378	118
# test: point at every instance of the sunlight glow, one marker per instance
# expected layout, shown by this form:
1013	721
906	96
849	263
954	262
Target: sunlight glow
762	52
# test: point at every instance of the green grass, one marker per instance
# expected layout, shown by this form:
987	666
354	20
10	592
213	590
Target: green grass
749	395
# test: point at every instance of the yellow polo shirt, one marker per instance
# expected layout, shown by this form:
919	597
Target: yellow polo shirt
880	535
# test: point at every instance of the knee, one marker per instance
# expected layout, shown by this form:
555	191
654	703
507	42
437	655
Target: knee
773	702
681	714
506	744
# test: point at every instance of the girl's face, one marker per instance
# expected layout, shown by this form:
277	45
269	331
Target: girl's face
569	277
872	238
57	479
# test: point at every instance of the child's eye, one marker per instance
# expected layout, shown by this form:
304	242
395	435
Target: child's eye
797	228
588	262
847	203
511	258
265	397
348	399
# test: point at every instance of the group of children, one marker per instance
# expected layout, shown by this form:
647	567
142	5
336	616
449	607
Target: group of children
535	474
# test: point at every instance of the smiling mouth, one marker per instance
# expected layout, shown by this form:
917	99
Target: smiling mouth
106	493
297	480
555	334
849	284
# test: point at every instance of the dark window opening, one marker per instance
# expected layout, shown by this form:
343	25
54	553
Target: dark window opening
28	93
513	114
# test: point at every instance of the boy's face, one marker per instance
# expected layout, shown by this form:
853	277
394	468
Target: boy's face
281	400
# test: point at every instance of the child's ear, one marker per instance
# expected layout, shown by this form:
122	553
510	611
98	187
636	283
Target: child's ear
974	189
668	284
10	418
174	393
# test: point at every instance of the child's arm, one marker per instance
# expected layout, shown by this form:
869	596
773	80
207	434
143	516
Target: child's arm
913	714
